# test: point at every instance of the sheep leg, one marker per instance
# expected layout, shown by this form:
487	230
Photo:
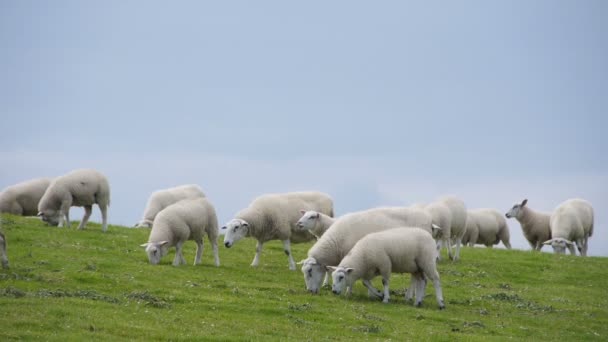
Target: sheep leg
585	245
409	293
385	284
572	249
104	216
216	255
258	251
420	285
287	249
580	245
446	241
371	290
88	209
438	250
457	253
326	280
199	251
507	244
434	276
178	254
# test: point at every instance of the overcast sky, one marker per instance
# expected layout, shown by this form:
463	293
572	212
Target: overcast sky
376	103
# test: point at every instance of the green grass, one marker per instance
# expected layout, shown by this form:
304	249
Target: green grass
65	284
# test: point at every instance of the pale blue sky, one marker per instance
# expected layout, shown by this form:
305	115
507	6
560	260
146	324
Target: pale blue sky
377	103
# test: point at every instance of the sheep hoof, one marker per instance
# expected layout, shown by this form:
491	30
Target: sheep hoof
419	304
441	307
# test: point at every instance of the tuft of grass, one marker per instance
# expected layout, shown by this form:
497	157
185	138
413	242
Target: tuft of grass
66	284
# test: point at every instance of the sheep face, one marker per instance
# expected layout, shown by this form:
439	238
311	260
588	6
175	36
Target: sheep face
341	278
313	274
308	220
235	230
517	210
50	216
559	245
156	250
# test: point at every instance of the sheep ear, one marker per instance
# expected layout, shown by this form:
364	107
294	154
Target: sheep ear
318	215
330	268
548	242
302	211
436	227
349	270
39	214
524	202
144	245
224	227
569	243
245	224
162	243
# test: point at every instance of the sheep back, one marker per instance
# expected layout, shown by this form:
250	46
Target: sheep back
572	220
23	198
188	219
79	187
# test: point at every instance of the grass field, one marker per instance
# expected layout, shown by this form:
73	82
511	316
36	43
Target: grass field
65	284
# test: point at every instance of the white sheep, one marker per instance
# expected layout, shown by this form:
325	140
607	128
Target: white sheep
274	217
188	219
571	223
486	227
397	250
534	224
315	222
3	254
350	228
23	198
442	217
79	188
161	199
457	220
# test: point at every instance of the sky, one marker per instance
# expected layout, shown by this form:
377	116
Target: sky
383	103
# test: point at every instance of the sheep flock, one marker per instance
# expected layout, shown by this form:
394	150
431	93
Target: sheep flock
352	246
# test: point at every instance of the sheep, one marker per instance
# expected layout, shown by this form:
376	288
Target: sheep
486	227
188	219
3	255
397	250
458	221
80	188
274	217
161	199
534	224
23	198
571	223
348	229
315	222
441	216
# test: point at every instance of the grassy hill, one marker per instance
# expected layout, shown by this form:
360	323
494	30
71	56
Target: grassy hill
65	284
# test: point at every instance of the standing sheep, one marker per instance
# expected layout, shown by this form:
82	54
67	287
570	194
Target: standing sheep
571	222
3	255
79	188
534	224
458	222
315	222
350	228
487	227
23	198
161	199
185	220
442	217
397	250
274	217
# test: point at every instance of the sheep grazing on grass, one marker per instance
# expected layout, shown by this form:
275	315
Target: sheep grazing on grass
23	198
534	224
453	226
274	217
161	199
398	250
486	227
571	223
79	188
350	228
315	222
188	219
3	254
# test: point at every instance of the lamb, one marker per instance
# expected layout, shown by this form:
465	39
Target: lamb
397	250
3	255
350	228
486	227
534	224
23	198
274	217
315	222
161	199
571	222
80	188
188	219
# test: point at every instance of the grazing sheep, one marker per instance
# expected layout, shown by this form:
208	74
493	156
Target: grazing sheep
161	199
458	222
442	217
350	228
22	198
185	220
274	217
397	250
534	224
3	255
571	222
79	188
486	227
315	222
